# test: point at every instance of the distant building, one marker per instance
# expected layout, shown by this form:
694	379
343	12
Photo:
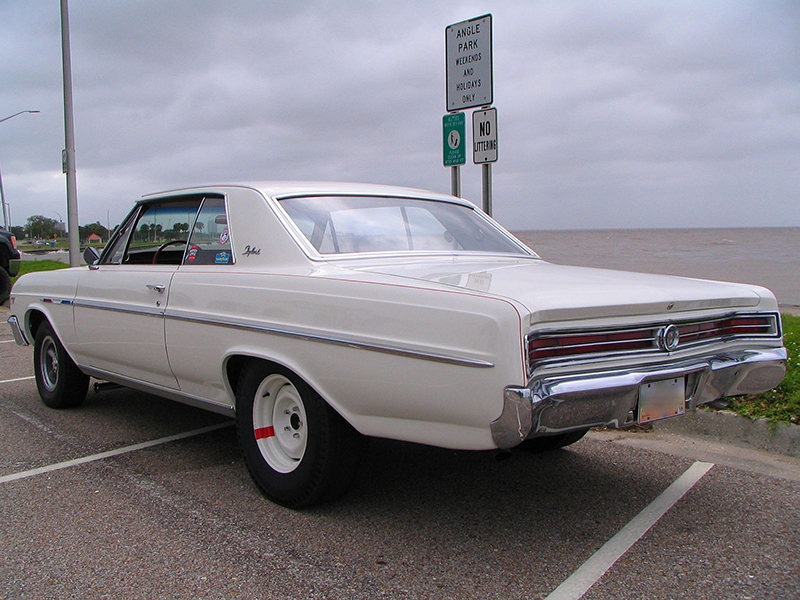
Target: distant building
93	238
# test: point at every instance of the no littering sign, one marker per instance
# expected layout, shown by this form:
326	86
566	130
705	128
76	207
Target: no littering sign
468	46
484	136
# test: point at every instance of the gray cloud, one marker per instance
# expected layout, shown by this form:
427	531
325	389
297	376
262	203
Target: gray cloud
628	114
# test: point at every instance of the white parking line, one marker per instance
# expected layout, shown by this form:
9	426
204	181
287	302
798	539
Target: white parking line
18	379
577	584
110	453
6	341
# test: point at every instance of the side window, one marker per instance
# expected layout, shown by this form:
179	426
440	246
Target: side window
157	235
210	239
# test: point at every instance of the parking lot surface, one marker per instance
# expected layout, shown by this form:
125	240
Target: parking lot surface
182	519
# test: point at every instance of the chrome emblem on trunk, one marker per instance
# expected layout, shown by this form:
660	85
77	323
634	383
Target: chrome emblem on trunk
668	338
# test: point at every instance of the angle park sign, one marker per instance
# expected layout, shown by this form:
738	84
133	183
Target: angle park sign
468	49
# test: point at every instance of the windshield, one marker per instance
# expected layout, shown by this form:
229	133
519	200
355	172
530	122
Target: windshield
346	224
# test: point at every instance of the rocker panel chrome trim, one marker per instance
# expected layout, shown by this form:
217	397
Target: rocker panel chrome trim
157	390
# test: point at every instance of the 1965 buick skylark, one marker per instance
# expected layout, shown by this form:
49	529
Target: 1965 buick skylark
318	313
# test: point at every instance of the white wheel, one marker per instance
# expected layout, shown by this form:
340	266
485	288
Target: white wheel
298	450
280	424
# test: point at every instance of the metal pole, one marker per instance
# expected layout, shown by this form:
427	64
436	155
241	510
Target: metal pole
486	188
69	139
455	181
2	193
3	200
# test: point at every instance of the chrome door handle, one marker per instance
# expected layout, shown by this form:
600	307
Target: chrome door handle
158	288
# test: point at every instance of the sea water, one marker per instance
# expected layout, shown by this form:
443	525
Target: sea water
763	256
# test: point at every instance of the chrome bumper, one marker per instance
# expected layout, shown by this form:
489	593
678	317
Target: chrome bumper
560	403
17	332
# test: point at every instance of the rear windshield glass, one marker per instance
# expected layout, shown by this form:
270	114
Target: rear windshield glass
346	224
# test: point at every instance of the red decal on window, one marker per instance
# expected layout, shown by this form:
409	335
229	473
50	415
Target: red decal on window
264	432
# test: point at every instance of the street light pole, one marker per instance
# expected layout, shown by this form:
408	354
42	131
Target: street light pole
2	193
69	139
3	200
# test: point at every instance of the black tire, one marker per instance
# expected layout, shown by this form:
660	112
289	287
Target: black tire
5	285
552	442
61	384
298	450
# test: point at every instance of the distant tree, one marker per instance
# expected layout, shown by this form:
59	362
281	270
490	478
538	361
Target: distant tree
42	227
18	231
90	228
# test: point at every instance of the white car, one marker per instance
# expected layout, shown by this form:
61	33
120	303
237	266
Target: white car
316	314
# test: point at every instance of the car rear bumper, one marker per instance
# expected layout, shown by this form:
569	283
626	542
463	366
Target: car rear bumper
13	266
555	404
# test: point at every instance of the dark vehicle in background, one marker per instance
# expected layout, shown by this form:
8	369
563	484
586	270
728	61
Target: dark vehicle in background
9	262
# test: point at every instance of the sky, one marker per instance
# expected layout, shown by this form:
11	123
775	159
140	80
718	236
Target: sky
642	114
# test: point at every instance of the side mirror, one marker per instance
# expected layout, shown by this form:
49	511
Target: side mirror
90	255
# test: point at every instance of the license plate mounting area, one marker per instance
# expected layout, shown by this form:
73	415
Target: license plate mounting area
661	399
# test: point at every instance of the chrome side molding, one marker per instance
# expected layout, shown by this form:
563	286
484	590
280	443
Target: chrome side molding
336	341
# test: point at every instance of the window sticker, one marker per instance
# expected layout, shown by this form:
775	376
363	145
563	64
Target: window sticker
222	258
193	252
224	236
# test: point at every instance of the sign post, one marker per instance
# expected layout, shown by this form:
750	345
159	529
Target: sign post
484	150
454	148
470	84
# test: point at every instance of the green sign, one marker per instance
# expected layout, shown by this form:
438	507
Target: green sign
455	149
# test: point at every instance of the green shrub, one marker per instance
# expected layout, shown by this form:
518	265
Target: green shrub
783	403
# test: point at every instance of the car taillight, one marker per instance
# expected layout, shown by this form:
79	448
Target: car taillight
554	345
575	344
13	242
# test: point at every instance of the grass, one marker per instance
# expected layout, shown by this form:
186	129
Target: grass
781	405
29	266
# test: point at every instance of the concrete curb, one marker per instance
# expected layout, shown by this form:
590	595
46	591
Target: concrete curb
726	426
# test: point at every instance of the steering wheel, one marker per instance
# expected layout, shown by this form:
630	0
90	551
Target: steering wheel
160	248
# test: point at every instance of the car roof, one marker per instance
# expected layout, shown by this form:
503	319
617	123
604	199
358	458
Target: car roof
282	189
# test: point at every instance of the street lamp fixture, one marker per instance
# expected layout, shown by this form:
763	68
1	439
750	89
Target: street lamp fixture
22	112
2	193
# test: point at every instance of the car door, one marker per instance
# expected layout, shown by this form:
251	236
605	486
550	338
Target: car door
120	302
202	292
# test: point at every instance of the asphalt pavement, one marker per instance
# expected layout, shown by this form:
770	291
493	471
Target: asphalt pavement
181	518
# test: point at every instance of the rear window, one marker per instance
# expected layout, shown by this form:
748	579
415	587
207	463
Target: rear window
354	224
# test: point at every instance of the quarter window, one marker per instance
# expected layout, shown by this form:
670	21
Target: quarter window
210	240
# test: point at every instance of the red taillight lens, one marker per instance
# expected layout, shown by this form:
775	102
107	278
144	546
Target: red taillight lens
590	343
574	344
13	242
